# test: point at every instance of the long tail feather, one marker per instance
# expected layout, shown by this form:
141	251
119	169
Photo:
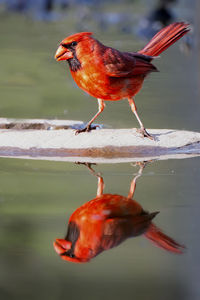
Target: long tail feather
162	240
165	38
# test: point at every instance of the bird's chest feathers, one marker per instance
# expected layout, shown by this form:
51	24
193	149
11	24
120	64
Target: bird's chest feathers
90	78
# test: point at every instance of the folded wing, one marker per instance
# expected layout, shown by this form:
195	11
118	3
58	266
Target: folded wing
126	64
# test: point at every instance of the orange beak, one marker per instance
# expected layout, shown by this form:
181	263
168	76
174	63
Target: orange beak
63	53
61	246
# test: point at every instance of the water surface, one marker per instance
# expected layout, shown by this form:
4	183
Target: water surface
37	199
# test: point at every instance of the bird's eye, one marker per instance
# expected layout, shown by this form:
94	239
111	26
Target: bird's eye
73	44
71	255
68	46
65	46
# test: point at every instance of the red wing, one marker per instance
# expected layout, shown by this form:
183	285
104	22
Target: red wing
124	64
143	67
117	229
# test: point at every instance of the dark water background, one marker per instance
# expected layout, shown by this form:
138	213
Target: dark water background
37	197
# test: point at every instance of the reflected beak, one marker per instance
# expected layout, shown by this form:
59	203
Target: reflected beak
63	54
61	246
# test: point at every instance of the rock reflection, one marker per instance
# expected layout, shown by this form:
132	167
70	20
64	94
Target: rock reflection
108	220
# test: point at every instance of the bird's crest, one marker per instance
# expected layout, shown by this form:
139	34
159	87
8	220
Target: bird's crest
76	37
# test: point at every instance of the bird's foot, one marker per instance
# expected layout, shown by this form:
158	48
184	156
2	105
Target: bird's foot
143	163
87	164
86	129
145	133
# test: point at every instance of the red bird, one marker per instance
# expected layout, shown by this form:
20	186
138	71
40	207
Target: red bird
105	222
110	75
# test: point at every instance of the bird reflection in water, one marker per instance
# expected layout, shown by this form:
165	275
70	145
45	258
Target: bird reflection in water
106	221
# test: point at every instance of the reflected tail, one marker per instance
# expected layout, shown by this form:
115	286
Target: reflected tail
163	241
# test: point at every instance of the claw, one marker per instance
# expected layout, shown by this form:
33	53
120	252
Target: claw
87	164
145	133
86	129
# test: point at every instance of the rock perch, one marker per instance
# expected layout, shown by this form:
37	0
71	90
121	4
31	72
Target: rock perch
56	140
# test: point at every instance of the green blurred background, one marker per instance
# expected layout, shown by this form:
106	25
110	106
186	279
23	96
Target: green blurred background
37	197
34	85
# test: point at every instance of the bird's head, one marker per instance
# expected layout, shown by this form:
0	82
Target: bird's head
68	47
72	248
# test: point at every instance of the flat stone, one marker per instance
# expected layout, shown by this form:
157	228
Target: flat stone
56	140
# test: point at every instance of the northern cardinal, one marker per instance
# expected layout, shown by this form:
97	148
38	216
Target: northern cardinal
105	222
108	74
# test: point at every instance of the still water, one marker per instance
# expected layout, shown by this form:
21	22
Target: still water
37	200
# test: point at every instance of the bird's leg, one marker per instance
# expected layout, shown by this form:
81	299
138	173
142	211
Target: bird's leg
133	182
88	126
100	185
142	165
142	130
